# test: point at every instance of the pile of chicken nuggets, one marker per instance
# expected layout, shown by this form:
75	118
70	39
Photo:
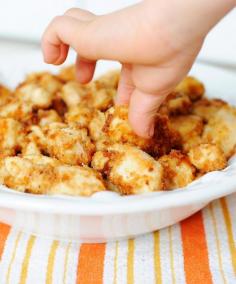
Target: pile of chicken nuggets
60	137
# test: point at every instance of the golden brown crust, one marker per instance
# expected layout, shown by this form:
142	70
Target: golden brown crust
72	93
178	170
43	175
80	115
11	136
221	130
206	108
67	73
129	169
118	130
176	103
109	80
191	87
190	128
45	80
207	158
68	144
5	95
58	136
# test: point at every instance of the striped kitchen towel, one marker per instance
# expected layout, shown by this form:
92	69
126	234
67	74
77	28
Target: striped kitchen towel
199	250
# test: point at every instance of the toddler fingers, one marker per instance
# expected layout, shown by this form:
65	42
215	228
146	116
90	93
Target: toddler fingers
84	70
143	108
109	37
63	51
125	87
63	30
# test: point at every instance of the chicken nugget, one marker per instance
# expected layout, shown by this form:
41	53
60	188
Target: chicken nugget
176	103
118	130
44	175
96	126
206	108
11	136
191	87
45	80
190	128
75	180
178	170
72	93
67	73
221	130
207	157
129	169
68	144
80	115
5	95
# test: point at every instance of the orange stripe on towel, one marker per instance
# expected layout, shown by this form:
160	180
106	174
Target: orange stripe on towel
4	232
91	263
196	263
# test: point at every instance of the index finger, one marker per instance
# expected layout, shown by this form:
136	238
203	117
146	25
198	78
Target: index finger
61	33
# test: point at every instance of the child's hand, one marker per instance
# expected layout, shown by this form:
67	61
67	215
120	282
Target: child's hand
156	41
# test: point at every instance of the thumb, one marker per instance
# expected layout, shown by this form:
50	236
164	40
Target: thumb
143	108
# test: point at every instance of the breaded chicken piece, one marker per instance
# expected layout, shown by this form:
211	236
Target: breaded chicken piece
68	144
26	113
79	115
109	79
17	110
5	95
67	73
191	87
207	157
118	130
178	170
128	169
75	180
45	80
206	108
44	175
11	136
176	103
30	148
221	130
103	143
190	128
72	93
37	91
93	95
23	175
46	117
40	159
35	95
35	135
99	96
59	105
96	125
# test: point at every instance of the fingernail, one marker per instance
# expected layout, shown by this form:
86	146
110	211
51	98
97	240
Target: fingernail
151	130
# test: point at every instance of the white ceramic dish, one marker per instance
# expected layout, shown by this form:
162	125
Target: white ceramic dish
107	216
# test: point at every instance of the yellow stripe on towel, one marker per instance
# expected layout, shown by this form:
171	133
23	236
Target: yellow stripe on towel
25	264
51	259
130	262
